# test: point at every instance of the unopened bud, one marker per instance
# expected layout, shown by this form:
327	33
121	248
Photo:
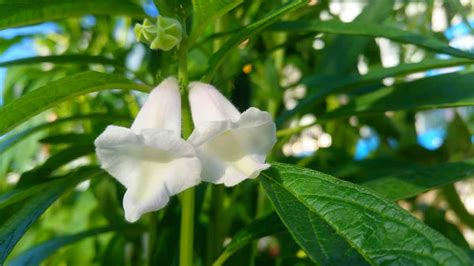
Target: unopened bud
164	35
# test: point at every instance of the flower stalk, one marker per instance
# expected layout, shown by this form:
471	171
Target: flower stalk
187	197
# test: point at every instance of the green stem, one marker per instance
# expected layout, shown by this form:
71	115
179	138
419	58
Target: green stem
456	204
215	232
187	228
153	235
187	197
183	65
293	130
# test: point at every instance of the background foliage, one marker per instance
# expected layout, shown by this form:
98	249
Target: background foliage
376	94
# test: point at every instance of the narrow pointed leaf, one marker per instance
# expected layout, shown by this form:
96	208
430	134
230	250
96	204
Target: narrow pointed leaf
16	225
70	138
11	139
58	91
18	194
372	30
206	12
322	86
405	183
27	12
61	59
264	226
54	162
5	44
36	255
448	90
218	58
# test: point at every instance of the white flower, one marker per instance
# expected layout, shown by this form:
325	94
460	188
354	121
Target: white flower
231	146
150	159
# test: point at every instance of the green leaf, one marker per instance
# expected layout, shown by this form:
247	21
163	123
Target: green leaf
55	161
10	140
16	225
27	12
341	53
61	59
206	12
69	138
457	144
371	30
5	44
322	86
218	58
21	193
448	90
261	227
451	196
113	254
36	254
401	184
58	91
18	194
409	182
319	209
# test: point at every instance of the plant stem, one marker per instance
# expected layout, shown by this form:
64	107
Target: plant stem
455	202
187	228
293	130
187	197
153	235
215	230
183	65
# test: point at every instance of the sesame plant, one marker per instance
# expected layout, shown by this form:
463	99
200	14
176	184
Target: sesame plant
231	132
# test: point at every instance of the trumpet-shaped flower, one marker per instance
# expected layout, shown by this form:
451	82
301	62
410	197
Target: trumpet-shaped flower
150	159
231	146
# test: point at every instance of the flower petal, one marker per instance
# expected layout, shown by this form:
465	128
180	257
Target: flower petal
153	166
229	172
208	104
157	183
258	130
230	152
162	109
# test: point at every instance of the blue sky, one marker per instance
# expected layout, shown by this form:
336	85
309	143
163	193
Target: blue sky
25	48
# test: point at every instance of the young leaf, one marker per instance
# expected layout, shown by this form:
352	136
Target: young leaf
26	12
16	225
62	59
264	226
55	161
317	208
218	58
70	138
7	43
58	91
10	140
206	12
410	182
36	254
18	194
323	86
371	30
341	53
448	90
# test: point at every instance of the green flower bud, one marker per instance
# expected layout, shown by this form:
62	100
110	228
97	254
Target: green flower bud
139	33
165	35
145	33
